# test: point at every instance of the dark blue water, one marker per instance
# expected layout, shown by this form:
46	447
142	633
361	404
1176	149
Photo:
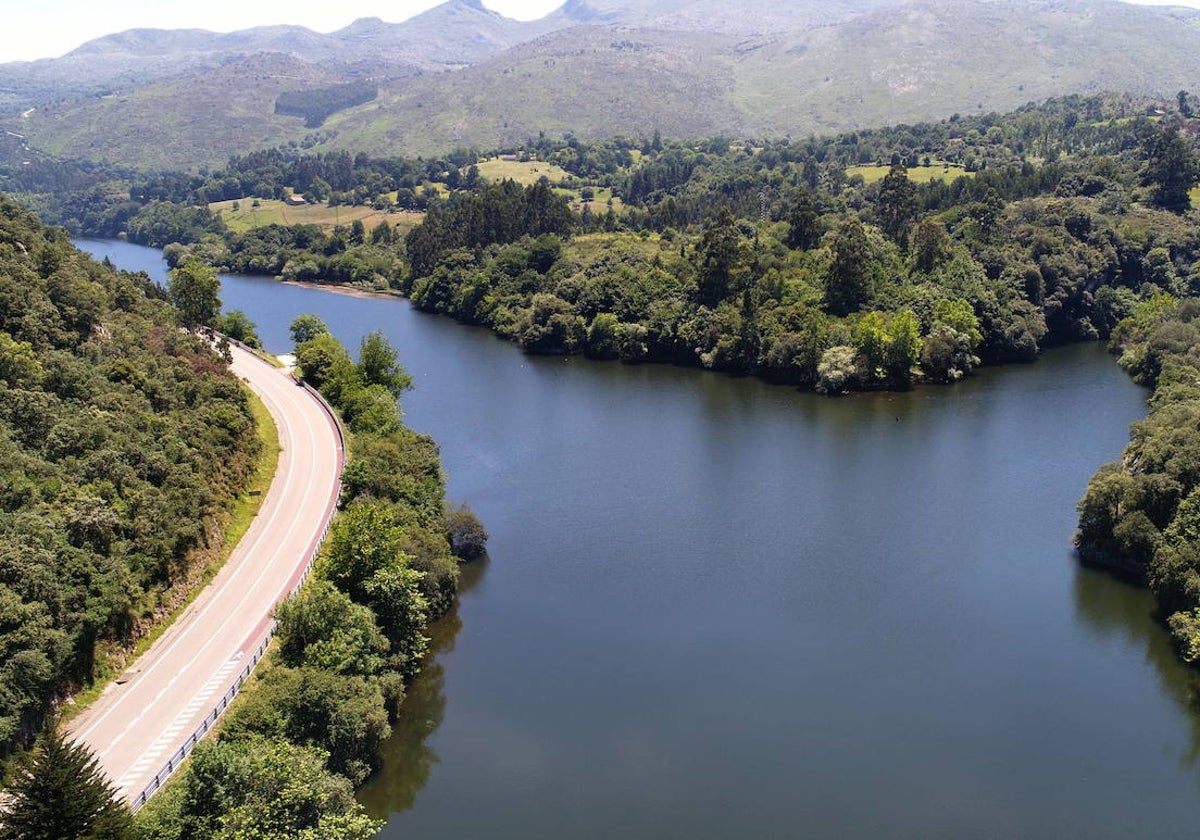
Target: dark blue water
721	609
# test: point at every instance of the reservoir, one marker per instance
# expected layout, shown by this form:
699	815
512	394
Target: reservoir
718	609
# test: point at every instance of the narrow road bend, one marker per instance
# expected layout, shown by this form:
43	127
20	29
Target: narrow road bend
140	723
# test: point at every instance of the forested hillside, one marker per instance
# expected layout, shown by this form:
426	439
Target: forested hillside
121	437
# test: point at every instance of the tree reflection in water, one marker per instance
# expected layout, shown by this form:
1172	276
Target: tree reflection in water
1117	610
407	758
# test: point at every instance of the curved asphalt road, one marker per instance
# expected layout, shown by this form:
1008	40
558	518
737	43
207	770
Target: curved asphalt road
138	725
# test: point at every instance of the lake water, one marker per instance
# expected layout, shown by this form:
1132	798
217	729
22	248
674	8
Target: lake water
720	609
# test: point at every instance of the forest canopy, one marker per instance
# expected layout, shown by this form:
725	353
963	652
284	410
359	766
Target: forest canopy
121	437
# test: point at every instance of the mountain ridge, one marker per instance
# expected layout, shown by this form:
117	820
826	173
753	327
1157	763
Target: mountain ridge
594	68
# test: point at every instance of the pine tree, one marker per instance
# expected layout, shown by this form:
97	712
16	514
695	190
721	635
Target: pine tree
848	285
804	231
59	792
897	204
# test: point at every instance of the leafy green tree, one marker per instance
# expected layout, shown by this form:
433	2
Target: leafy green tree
378	365
394	595
383	234
59	792
837	368
259	789
306	327
370	409
872	343
602	336
930	245
194	290
320	358
237	326
19	365
549	325
362	540
904	344
344	715
321	627
1171	167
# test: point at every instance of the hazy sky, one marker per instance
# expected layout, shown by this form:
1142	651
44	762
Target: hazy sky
46	28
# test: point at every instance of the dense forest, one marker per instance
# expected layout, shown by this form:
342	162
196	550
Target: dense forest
865	260
122	438
316	106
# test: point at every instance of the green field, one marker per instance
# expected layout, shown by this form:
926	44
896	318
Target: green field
917	174
524	173
270	211
599	203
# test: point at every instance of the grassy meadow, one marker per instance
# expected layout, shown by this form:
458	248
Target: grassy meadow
248	217
524	173
937	171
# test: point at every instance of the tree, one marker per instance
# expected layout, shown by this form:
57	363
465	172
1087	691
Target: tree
194	290
904	344
930	246
804	230
363	540
345	715
602	336
872	342
377	364
848	285
263	789
1171	167
59	792
468	538
19	365
719	255
320	358
837	368
322	628
239	327
897	205
306	327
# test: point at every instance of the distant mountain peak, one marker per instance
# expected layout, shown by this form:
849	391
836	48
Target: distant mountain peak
363	25
581	12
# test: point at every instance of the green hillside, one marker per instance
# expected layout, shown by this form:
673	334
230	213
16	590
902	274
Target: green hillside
122	439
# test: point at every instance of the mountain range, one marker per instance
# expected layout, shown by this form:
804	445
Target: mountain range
463	75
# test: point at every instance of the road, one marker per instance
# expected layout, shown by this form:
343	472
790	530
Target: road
140	724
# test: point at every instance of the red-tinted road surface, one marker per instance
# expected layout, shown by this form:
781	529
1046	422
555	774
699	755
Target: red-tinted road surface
137	726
